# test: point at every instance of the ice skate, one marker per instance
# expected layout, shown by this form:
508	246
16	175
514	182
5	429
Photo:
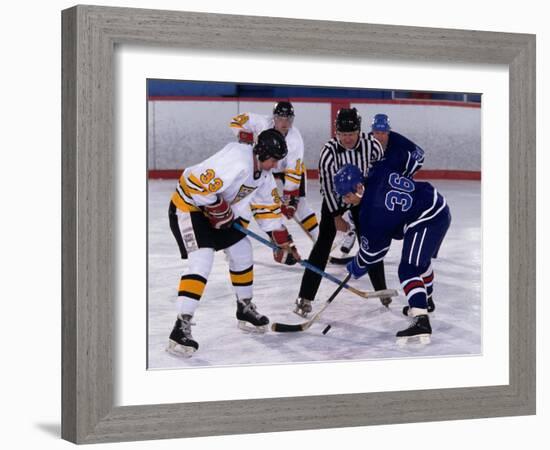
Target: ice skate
303	307
249	319
181	341
431	307
419	330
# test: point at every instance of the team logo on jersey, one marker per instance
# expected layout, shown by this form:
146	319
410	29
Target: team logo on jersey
364	243
244	191
276	196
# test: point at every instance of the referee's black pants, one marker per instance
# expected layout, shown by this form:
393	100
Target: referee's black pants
320	254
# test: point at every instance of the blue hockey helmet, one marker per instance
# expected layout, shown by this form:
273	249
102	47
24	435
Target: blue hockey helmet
381	123
347	179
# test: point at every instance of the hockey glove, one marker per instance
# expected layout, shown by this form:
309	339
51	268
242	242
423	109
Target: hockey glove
245	137
356	270
287	253
290	203
220	215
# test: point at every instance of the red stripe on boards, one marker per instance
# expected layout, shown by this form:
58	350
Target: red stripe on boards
427	174
314	174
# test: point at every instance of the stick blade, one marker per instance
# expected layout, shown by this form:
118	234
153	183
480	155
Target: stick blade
285	328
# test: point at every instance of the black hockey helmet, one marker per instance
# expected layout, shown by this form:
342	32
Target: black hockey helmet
270	144
283	109
347	120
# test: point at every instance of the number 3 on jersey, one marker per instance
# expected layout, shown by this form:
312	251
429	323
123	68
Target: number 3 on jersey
399	195
207	178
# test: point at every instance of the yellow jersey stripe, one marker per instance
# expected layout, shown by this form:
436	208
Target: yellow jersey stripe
181	204
273	207
195	183
293	179
188	190
297	173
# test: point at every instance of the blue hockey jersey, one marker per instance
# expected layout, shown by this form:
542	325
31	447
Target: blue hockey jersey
403	154
391	204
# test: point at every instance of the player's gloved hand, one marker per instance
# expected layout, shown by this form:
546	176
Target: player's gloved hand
356	270
219	214
290	203
341	224
287	252
246	137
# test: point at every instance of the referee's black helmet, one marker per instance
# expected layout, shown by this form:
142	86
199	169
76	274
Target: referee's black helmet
348	120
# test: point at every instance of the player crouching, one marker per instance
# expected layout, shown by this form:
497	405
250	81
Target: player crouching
229	186
394	206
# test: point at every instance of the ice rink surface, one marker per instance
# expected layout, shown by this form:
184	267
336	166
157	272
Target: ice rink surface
361	328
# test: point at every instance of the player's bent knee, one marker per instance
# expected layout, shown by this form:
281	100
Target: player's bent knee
406	271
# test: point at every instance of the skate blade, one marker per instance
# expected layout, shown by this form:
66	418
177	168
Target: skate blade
180	350
422	339
249	328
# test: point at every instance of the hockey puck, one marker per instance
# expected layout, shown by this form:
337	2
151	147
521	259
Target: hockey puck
327	328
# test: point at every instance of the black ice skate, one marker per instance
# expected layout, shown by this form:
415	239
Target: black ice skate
181	341
249	319
431	307
419	329
303	307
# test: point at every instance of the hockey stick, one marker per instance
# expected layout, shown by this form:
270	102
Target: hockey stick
285	328
307	265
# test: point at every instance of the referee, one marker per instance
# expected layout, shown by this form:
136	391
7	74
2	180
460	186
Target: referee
350	146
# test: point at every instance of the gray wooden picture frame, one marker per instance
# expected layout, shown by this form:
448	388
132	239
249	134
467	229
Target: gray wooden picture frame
90	34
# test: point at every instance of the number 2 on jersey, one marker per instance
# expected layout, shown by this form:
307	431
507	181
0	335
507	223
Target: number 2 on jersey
399	195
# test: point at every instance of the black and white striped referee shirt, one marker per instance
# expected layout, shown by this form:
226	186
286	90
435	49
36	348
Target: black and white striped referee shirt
333	156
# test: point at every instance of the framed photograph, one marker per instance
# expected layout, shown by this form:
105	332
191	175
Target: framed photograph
147	94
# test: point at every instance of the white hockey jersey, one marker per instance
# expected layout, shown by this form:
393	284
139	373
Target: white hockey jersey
292	166
230	174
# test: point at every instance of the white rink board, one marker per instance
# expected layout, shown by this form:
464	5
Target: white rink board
450	135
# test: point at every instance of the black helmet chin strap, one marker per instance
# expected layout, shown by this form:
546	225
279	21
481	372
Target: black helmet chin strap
257	169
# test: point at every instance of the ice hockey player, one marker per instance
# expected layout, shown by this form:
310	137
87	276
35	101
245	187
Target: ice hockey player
290	170
209	197
394	206
399	151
